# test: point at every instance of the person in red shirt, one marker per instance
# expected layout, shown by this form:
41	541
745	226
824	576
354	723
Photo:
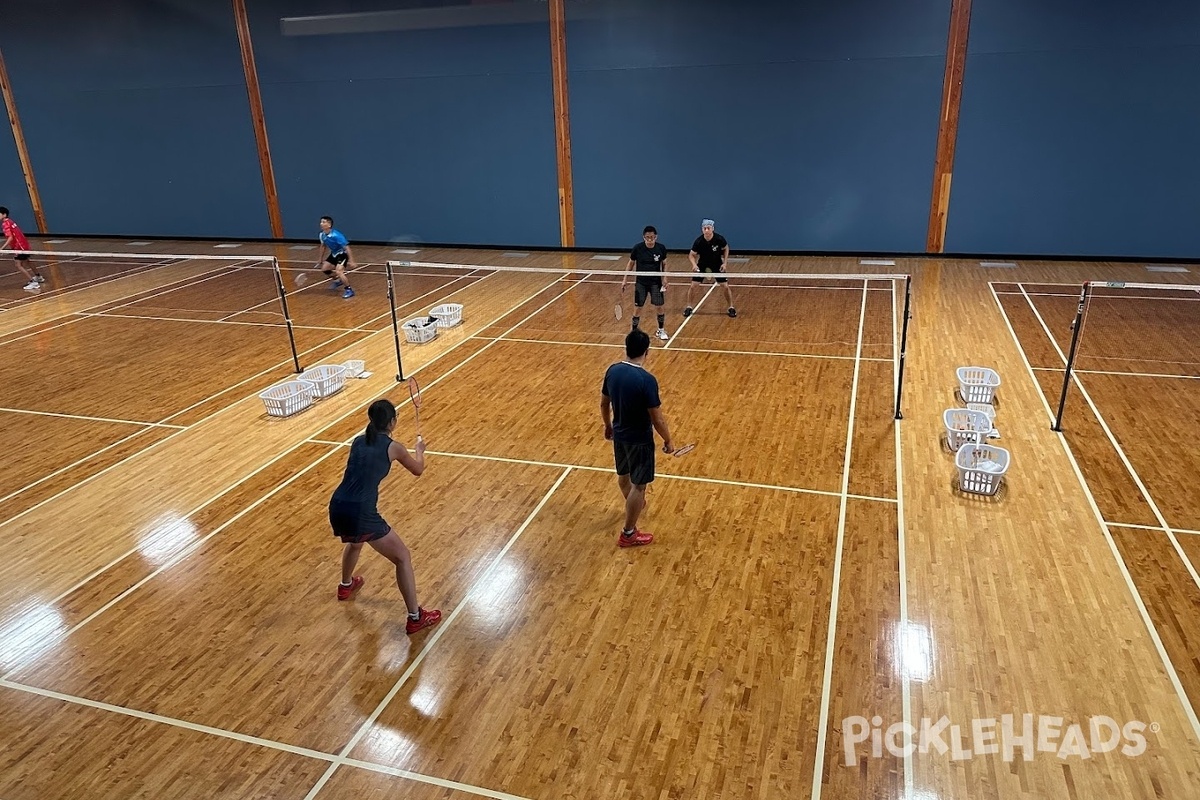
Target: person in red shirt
14	239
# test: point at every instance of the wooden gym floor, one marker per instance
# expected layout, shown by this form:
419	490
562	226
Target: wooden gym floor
168	626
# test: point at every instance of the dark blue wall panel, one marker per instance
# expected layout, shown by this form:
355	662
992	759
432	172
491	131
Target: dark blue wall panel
432	135
796	125
1077	130
136	117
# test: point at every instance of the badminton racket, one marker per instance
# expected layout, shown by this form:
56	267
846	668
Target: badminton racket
414	391
683	451
301	279
617	310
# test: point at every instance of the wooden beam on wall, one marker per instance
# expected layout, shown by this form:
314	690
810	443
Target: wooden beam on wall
10	102
562	122
259	120
943	171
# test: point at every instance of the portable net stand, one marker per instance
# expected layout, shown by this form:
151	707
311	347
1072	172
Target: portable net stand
165	273
1173	306
899	310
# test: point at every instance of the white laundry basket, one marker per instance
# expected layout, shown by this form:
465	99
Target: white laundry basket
354	367
978	384
420	331
447	315
326	379
964	426
287	398
990	410
981	468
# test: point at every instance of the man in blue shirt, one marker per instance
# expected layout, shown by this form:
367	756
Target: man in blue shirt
632	411
338	249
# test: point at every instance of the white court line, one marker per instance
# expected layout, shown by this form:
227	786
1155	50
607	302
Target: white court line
90	419
268	744
827	682
438	632
1112	545
169	721
695	308
663	475
1146	527
1120	450
1108	296
1125	374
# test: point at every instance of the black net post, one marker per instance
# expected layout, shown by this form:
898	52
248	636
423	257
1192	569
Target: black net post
287	317
1076	329
391	293
903	342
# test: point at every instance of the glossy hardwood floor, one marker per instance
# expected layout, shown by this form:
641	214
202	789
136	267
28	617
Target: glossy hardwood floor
168	573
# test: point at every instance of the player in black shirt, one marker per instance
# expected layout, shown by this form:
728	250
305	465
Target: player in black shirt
632	411
709	253
648	256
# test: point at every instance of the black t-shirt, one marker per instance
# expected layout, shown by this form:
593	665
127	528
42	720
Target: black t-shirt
633	392
649	259
710	253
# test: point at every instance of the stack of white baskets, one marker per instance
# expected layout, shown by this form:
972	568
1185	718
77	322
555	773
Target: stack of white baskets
981	466
293	396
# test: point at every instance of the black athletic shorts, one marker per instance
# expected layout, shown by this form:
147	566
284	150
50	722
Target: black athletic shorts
22	257
340	258
655	290
636	461
353	523
699	278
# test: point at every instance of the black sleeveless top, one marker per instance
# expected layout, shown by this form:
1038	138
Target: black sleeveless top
366	468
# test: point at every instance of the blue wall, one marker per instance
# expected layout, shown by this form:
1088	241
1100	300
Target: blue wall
434	135
1078	129
136	117
795	125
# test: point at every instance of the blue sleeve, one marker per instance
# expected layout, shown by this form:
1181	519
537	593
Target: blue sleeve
652	400
339	239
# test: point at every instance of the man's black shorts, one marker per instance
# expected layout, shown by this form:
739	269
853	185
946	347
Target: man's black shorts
699	278
654	289
636	461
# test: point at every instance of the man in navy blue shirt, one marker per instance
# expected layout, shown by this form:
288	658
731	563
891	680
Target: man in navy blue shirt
632	411
338	248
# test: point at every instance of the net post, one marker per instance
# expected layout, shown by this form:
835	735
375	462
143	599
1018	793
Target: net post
287	317
903	343
1076	328
391	293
